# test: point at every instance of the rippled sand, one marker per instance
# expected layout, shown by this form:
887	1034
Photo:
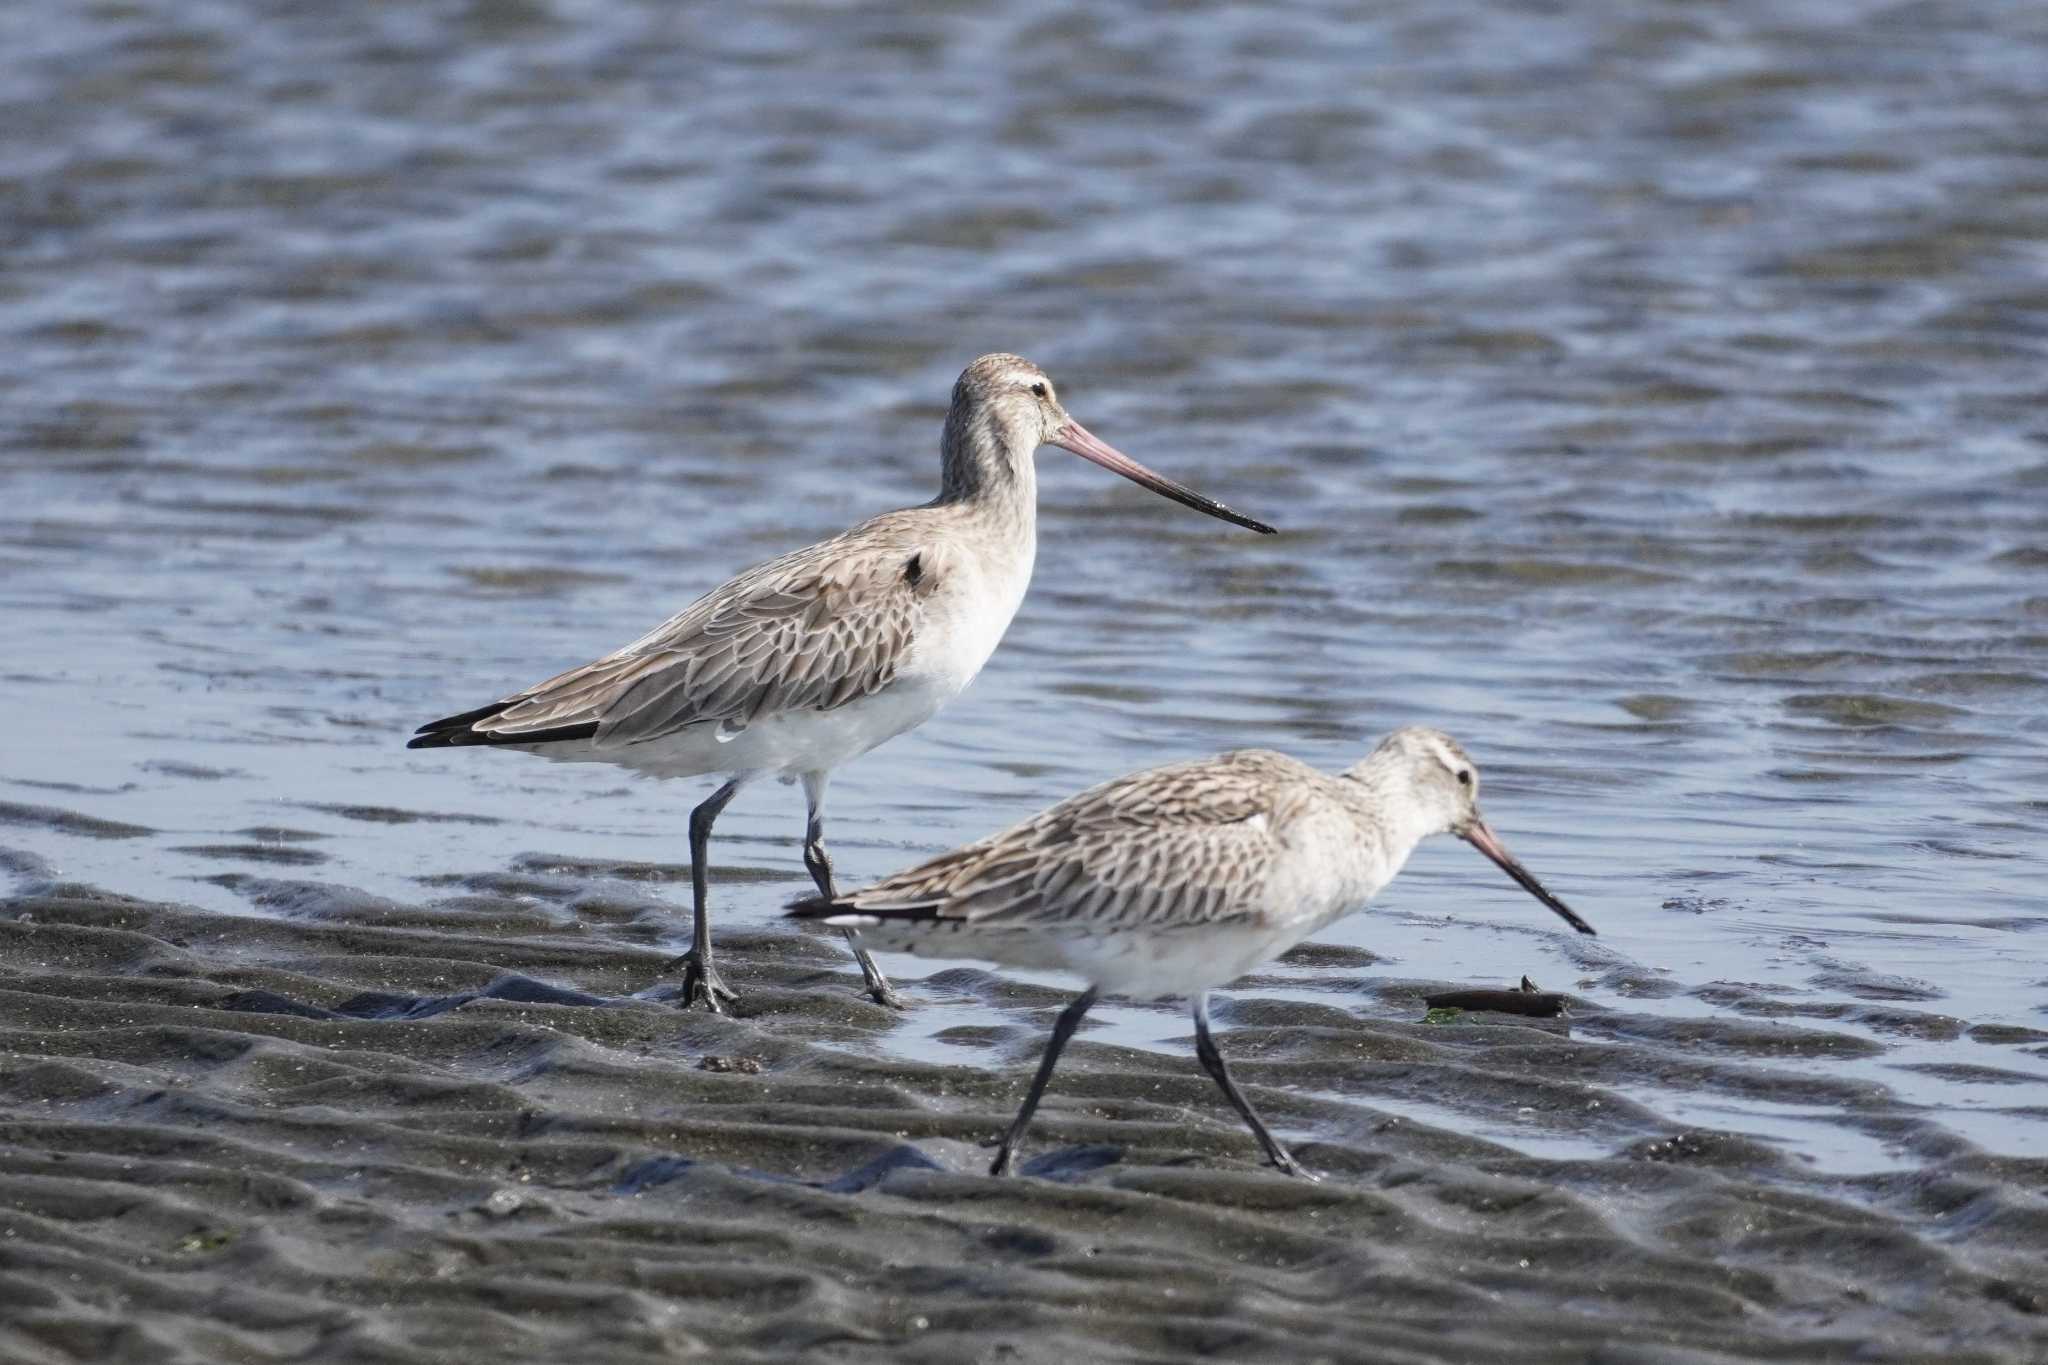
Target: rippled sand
374	1131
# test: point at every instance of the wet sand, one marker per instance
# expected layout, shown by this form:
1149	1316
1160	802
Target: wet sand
366	1130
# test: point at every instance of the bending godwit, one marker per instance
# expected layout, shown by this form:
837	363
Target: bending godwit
1174	880
806	661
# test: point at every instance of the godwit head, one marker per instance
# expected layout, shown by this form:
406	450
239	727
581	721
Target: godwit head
1004	409
1427	785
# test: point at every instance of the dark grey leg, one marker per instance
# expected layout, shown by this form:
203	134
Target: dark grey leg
1062	1029
819	864
1212	1062
701	983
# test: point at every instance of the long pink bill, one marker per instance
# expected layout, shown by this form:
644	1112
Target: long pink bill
1077	438
1487	842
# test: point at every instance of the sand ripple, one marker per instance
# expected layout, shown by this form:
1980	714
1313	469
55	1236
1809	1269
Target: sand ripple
449	1133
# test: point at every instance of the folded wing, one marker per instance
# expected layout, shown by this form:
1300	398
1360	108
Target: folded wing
811	631
1183	845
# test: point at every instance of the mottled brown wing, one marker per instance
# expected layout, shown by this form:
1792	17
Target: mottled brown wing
1187	844
810	631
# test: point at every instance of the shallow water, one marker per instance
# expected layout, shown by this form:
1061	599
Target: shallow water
1651	400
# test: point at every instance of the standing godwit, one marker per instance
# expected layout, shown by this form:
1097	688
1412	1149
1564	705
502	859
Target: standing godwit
1175	880
806	661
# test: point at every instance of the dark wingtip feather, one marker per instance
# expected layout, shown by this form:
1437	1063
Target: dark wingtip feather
441	732
813	906
819	907
454	732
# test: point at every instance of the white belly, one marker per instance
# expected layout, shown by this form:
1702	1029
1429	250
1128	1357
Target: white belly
786	744
1148	965
1186	962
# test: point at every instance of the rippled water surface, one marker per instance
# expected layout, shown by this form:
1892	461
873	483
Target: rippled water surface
1652	396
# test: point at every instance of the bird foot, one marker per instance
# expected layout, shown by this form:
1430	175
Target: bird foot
702	984
882	993
1284	1160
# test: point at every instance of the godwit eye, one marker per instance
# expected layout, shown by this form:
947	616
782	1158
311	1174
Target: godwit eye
1464	777
1038	390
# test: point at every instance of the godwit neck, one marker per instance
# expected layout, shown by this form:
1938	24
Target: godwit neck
1002	412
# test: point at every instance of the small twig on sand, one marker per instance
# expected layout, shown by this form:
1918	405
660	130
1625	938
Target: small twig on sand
1525	1000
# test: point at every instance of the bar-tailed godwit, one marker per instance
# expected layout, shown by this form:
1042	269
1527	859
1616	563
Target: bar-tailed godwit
1175	880
806	661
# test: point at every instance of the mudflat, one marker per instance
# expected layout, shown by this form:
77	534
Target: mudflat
366	1130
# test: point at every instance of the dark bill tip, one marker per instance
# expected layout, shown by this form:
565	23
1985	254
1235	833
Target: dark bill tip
1078	439
1487	842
